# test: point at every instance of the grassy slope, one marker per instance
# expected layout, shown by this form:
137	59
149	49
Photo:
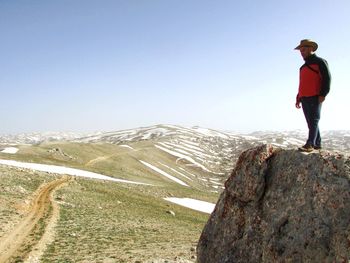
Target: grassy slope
103	220
118	162
122	223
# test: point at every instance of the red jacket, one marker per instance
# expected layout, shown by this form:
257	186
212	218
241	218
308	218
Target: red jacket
314	78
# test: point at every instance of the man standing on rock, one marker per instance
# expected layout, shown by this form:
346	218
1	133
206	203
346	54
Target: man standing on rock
314	85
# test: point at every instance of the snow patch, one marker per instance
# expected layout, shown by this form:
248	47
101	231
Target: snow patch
65	170
213	182
249	137
194	204
182	157
187	172
10	150
174	170
211	133
127	146
155	131
164	173
188	151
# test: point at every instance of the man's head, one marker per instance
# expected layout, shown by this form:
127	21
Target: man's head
307	47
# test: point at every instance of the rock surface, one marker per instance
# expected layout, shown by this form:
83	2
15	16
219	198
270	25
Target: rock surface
281	206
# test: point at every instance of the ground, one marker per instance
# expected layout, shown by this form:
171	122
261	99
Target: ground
79	220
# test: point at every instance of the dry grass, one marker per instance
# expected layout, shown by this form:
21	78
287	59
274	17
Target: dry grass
101	221
110	222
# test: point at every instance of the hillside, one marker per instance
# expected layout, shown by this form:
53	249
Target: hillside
124	187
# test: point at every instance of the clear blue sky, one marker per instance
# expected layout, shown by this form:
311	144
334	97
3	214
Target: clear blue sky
82	65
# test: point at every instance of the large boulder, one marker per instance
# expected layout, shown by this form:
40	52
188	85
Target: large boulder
281	206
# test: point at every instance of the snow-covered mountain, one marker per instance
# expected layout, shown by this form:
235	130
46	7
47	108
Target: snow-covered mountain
210	150
37	137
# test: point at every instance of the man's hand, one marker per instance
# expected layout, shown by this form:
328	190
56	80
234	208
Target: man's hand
321	99
297	104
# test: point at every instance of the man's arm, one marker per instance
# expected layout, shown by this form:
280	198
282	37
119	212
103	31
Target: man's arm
297	102
326	79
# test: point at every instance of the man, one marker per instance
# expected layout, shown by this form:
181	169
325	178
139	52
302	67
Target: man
314	85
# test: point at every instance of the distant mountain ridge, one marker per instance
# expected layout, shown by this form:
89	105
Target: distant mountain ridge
334	140
211	150
38	137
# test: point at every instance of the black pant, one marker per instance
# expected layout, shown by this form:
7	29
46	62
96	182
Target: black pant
312	112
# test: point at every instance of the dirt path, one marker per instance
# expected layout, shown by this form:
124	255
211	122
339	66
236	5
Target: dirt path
32	230
98	159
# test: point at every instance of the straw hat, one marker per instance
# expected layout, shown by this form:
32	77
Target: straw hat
307	43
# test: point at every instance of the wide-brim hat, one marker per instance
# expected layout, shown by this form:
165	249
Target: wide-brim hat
307	43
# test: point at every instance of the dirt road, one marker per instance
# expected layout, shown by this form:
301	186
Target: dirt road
18	243
98	159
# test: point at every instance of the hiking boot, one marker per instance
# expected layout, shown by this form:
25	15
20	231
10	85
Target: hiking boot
306	148
317	147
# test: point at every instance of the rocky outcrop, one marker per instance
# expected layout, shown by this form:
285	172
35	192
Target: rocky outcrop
281	206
